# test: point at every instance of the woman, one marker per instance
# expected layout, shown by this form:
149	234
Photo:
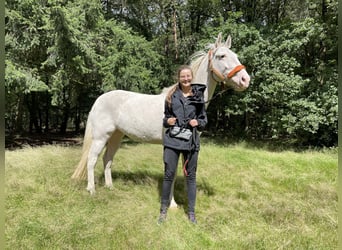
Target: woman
184	113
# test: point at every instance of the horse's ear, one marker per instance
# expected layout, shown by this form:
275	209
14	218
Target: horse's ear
218	40
228	42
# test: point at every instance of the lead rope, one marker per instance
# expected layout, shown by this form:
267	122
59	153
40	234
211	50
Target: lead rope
218	94
193	145
184	167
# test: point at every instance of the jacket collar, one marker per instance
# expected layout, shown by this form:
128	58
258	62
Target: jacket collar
198	92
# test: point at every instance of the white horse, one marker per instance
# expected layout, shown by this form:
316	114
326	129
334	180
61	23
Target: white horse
139	116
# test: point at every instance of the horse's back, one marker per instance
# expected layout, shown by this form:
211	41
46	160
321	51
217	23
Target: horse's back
137	115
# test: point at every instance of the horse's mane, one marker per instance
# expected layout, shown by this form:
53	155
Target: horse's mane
195	61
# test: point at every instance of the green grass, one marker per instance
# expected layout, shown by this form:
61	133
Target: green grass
248	198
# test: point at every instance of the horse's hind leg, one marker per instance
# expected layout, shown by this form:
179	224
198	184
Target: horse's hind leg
95	150
113	145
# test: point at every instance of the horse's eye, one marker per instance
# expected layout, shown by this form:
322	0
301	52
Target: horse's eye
222	56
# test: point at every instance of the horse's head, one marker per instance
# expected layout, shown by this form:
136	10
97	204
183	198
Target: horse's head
226	67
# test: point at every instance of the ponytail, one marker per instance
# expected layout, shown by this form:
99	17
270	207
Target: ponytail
170	93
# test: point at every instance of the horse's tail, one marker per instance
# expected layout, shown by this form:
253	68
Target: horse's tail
81	169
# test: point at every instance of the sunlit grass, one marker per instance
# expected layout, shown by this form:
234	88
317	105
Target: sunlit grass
248	198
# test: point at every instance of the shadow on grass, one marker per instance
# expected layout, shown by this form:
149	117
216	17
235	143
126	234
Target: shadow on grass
146	178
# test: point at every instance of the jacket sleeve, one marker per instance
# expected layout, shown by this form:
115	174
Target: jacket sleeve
167	115
202	118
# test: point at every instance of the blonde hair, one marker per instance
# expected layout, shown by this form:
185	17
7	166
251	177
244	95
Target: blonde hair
175	86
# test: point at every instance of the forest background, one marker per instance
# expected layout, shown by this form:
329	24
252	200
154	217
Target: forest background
61	55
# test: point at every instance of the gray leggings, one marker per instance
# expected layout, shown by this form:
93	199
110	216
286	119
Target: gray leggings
171	157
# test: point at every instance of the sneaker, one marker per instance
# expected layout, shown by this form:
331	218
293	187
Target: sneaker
192	218
162	218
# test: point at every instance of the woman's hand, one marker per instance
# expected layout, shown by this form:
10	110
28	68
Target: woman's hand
171	121
193	123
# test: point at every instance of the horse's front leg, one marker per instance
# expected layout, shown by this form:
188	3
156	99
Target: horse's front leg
173	203
108	173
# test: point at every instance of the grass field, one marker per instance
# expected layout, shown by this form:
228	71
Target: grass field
248	198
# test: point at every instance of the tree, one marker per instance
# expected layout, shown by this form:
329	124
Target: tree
26	48
60	62
288	97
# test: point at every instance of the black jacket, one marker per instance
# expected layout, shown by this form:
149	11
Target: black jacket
185	109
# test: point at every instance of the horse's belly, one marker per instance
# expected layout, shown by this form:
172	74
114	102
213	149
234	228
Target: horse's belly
154	140
144	133
141	118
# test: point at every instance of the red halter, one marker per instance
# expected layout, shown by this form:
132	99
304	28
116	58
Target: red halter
219	74
235	70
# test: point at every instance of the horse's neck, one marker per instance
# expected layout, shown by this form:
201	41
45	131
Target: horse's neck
203	76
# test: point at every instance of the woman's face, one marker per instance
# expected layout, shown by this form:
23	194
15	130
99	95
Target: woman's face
185	77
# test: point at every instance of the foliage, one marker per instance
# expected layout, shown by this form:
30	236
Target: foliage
77	54
129	62
61	55
288	98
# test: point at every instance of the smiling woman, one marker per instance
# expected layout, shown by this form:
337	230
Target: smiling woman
184	109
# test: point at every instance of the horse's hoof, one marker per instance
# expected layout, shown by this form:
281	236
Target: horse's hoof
91	191
110	187
173	205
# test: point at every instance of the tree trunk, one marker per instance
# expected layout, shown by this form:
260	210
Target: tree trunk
47	111
64	123
33	110
174	19
77	119
19	116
